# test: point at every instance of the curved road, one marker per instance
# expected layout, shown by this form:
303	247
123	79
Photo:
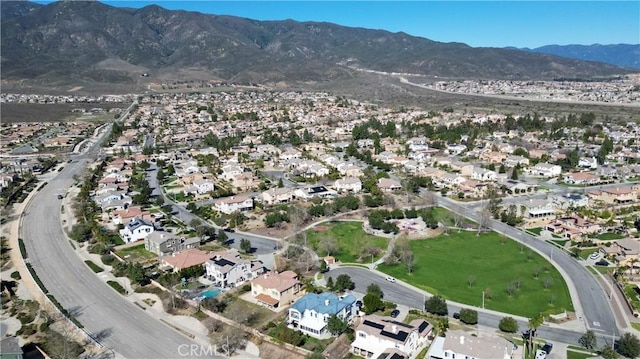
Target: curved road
261	245
402	294
595	306
121	326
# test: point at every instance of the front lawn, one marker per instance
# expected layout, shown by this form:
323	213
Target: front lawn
585	253
350	240
609	236
448	263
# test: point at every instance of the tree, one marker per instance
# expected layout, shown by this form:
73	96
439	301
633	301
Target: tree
436	305
441	326
469	316
323	267
343	282
330	283
375	289
329	246
629	345
534	324
245	245
222	236
508	325
372	303
230	339
588	340
336	325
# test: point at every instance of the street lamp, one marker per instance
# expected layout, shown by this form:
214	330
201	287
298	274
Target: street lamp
483	299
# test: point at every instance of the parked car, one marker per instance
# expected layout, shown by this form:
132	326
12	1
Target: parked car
594	255
603	263
229	229
456	315
395	313
391	279
547	347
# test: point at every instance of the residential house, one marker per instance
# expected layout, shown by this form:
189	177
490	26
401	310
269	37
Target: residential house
199	186
459	344
348	184
315	191
546	170
10	348
164	243
290	154
377	334
538	208
586	162
571	200
514	160
311	313
234	204
581	178
615	196
277	196
274	290
136	230
626	252
573	227
483	174
127	215
228	269
186	259
388	185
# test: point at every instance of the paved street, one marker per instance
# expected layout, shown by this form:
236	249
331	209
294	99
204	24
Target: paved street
262	245
406	295
589	298
120	325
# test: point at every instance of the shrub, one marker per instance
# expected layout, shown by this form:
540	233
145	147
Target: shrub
107	259
469	316
115	285
15	275
508	325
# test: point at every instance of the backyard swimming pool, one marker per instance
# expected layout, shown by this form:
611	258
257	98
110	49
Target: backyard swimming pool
211	293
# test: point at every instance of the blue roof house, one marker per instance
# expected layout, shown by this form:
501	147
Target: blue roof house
311	313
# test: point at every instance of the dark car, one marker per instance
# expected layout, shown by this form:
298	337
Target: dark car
60	196
229	229
395	313
602	263
456	315
547	347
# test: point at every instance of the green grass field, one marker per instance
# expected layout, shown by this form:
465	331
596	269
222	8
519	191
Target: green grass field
575	355
350	239
135	253
445	263
609	236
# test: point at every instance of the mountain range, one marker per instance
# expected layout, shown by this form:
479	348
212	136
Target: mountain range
68	41
623	55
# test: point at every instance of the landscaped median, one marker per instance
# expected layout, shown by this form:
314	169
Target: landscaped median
94	267
115	285
461	266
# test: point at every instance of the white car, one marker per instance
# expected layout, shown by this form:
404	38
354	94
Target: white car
594	255
391	279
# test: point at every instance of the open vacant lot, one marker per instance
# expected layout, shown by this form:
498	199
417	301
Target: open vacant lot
461	265
28	112
350	241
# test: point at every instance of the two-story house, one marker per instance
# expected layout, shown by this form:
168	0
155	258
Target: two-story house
348	184
389	185
277	195
234	204
136	230
376	335
311	313
274	290
163	243
544	169
228	269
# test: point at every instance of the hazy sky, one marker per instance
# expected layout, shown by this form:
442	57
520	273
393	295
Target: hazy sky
476	23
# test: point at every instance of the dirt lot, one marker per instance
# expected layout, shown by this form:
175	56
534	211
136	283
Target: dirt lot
27	112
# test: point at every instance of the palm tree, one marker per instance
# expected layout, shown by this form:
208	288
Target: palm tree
534	324
634	261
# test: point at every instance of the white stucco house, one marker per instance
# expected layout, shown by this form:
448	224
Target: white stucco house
136	230
234	204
